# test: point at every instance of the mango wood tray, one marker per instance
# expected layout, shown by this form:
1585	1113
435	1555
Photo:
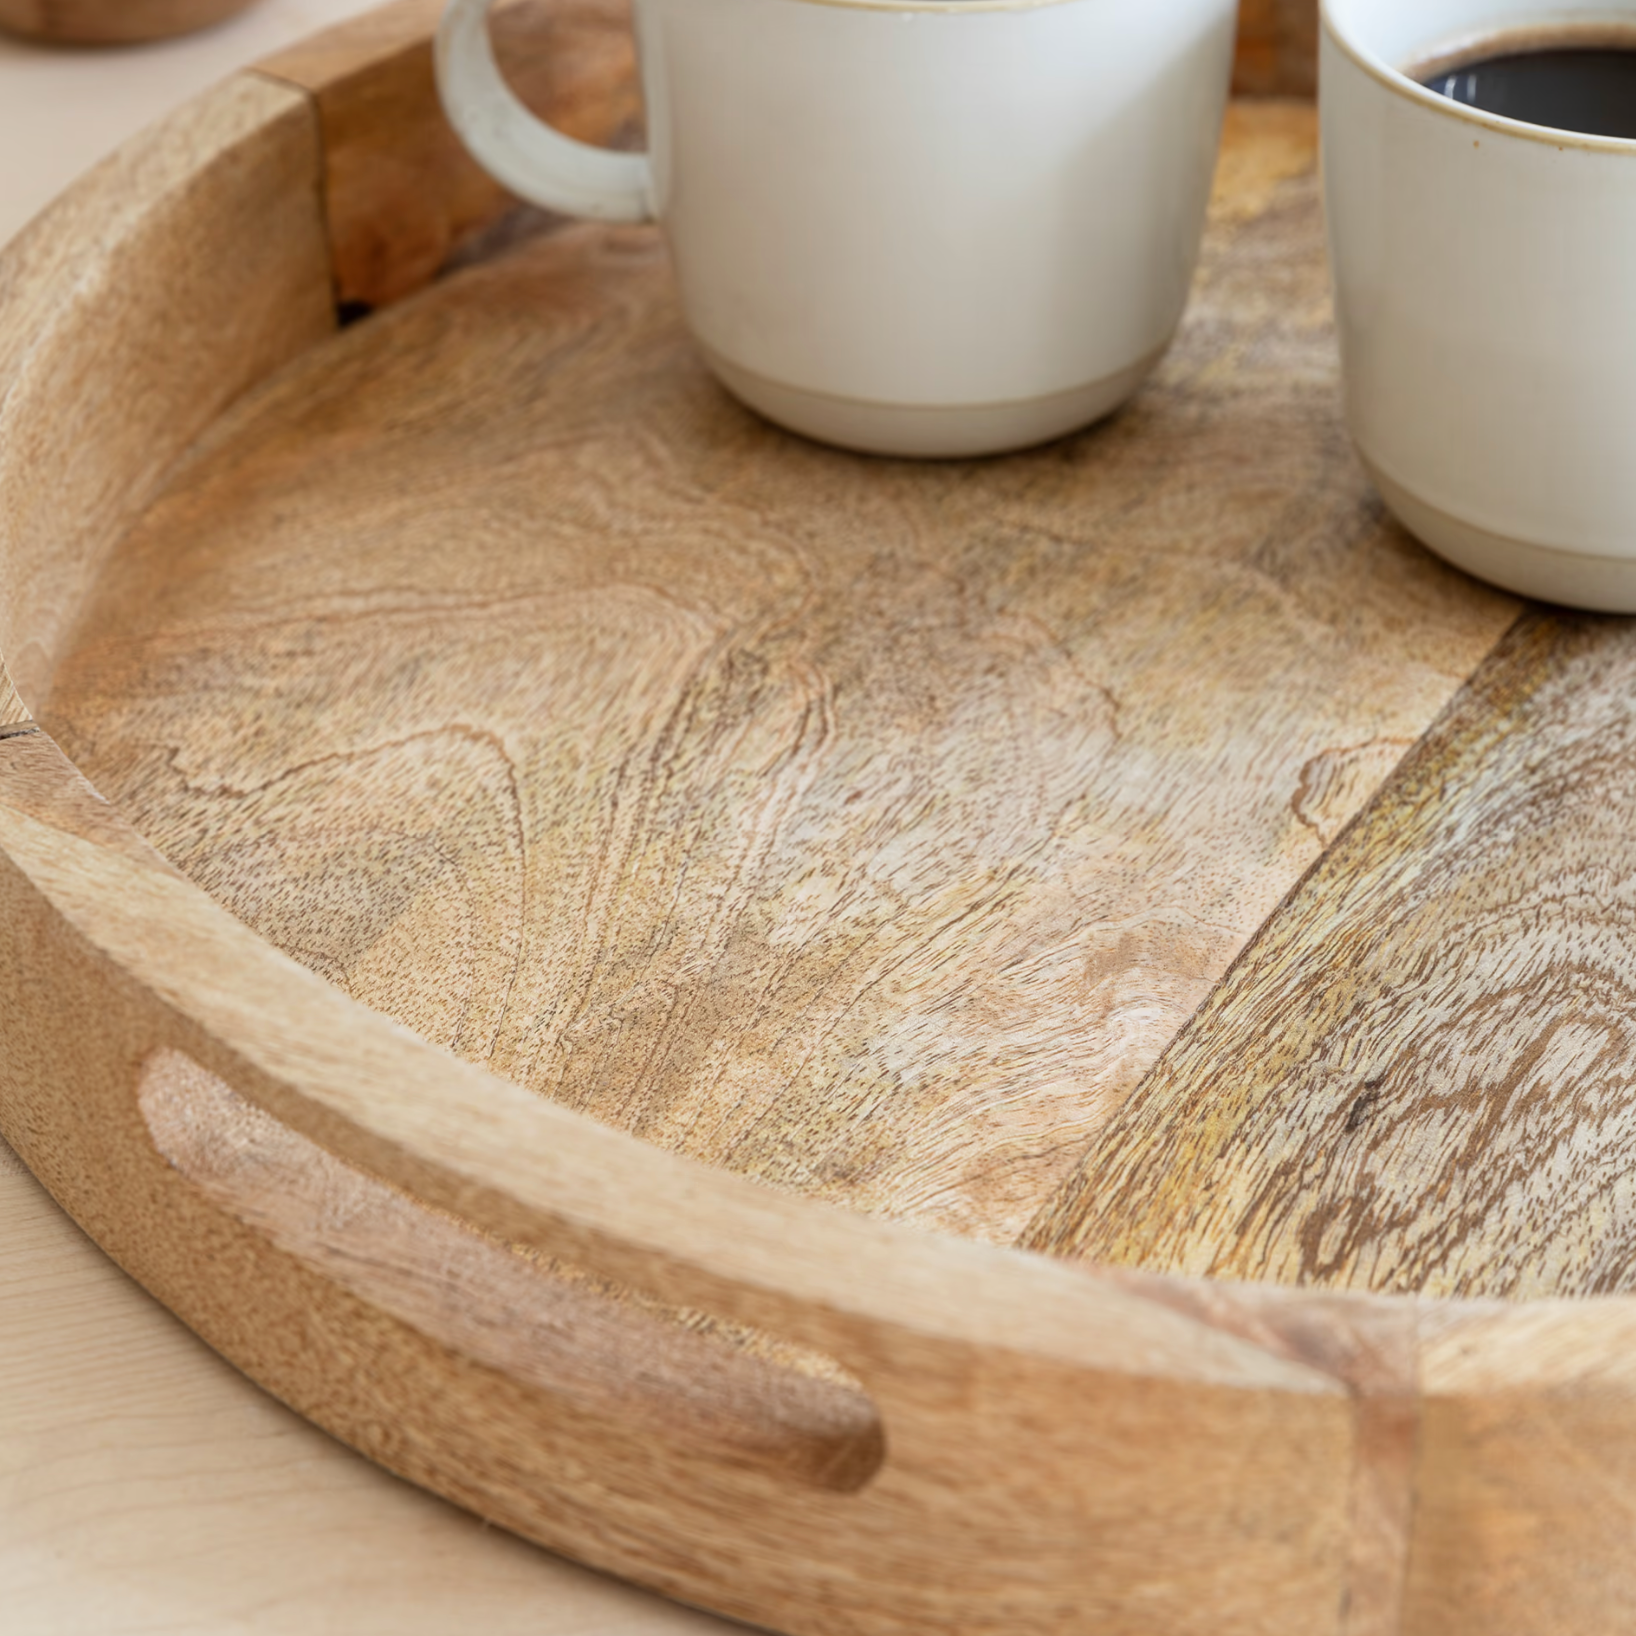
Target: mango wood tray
1040	1046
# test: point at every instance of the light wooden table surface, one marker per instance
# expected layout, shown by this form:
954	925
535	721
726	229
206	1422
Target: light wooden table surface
145	1486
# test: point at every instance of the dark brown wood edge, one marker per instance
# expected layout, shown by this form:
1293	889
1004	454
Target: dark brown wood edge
1277	49
401	194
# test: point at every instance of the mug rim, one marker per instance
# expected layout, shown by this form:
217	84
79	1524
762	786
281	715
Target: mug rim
1410	90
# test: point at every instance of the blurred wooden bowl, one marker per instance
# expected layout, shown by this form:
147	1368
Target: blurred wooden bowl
112	22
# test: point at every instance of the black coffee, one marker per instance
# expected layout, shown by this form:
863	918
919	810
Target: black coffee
1589	89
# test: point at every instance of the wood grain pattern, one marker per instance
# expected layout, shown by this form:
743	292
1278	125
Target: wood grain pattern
729	1391
402	193
971	1357
1277	48
839	823
178	274
1042	1389
13	713
1372	1348
868	829
112	22
1421	1077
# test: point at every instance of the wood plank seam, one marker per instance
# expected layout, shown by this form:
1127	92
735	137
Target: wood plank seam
402	195
1369	1347
256	74
1384	1490
1060	1228
1062	977
1420	1079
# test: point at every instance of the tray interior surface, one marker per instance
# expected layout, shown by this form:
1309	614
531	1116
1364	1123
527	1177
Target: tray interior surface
1137	851
867	828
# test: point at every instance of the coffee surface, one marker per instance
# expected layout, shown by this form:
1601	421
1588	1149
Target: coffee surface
1590	90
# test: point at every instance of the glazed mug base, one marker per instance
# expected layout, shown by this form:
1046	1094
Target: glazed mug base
1546	573
936	431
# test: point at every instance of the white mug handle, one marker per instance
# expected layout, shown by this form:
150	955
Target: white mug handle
521	152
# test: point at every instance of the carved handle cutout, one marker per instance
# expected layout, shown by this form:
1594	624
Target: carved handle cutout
725	1390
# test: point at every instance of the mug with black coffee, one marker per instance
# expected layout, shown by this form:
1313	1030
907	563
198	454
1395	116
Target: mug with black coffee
1480	180
1574	78
915	227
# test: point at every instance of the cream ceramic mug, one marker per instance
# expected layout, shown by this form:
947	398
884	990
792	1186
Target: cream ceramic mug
1485	278
935	227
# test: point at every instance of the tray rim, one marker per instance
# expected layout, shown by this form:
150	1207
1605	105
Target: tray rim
899	1306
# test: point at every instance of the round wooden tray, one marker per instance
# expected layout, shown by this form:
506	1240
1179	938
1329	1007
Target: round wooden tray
1015	1048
